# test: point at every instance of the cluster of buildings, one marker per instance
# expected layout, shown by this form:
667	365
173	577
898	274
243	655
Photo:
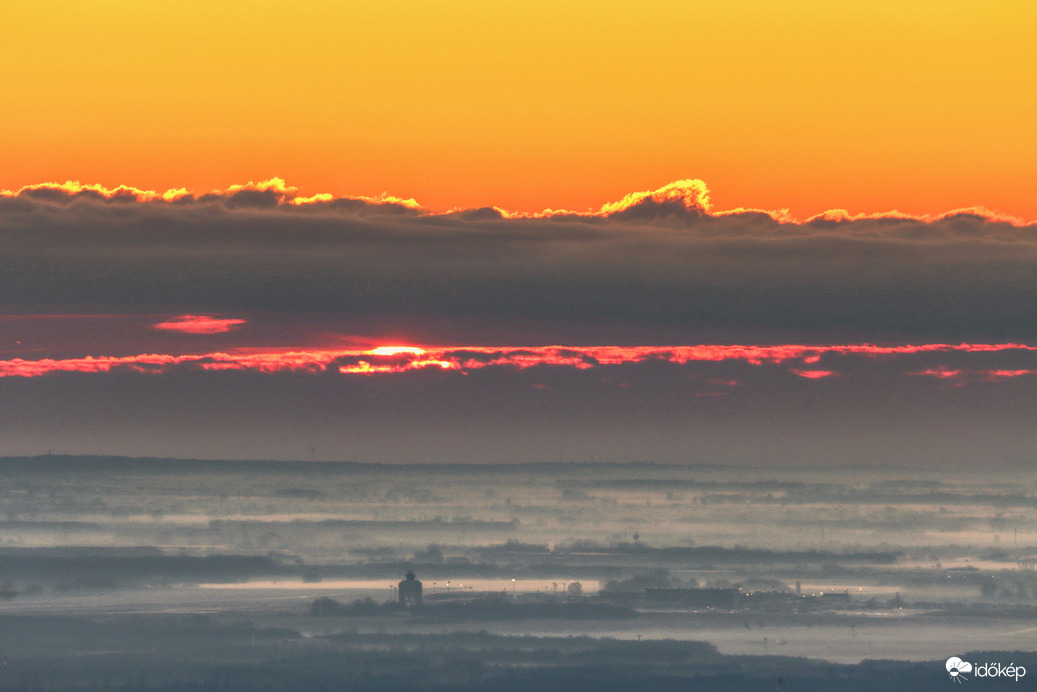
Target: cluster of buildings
732	598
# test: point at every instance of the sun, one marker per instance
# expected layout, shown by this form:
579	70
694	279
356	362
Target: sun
396	350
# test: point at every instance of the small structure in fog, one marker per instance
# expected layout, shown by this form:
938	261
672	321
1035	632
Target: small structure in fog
410	590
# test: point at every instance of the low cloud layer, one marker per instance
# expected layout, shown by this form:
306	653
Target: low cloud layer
992	361
657	267
910	408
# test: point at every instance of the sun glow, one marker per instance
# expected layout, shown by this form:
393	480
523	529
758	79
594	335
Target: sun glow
396	350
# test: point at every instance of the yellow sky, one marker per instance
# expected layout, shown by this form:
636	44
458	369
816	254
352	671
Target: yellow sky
868	106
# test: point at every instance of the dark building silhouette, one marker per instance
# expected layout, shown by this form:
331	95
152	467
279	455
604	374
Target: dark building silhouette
410	590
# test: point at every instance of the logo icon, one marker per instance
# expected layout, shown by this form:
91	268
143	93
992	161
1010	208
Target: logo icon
957	667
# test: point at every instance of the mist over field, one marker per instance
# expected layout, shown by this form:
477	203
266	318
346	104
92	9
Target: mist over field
220	574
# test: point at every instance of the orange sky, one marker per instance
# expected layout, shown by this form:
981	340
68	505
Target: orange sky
868	106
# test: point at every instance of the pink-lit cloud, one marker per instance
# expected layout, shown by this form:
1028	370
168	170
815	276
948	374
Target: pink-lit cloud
398	359
1008	374
812	374
983	374
199	324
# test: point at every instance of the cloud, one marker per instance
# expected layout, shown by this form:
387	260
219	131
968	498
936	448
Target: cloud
198	324
961	376
812	374
262	195
703	404
384	331
683	199
655	267
401	359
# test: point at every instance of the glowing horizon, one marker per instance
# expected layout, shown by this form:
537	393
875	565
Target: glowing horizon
393	359
804	105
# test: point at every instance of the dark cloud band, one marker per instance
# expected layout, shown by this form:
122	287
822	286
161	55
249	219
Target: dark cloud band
659	265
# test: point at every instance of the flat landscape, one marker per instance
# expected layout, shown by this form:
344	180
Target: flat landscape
227	575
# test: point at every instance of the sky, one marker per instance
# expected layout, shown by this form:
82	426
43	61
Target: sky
742	232
807	105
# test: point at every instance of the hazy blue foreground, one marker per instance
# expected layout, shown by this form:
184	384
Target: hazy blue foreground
144	574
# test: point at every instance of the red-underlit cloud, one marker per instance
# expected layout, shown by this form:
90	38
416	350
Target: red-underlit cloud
198	324
399	359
